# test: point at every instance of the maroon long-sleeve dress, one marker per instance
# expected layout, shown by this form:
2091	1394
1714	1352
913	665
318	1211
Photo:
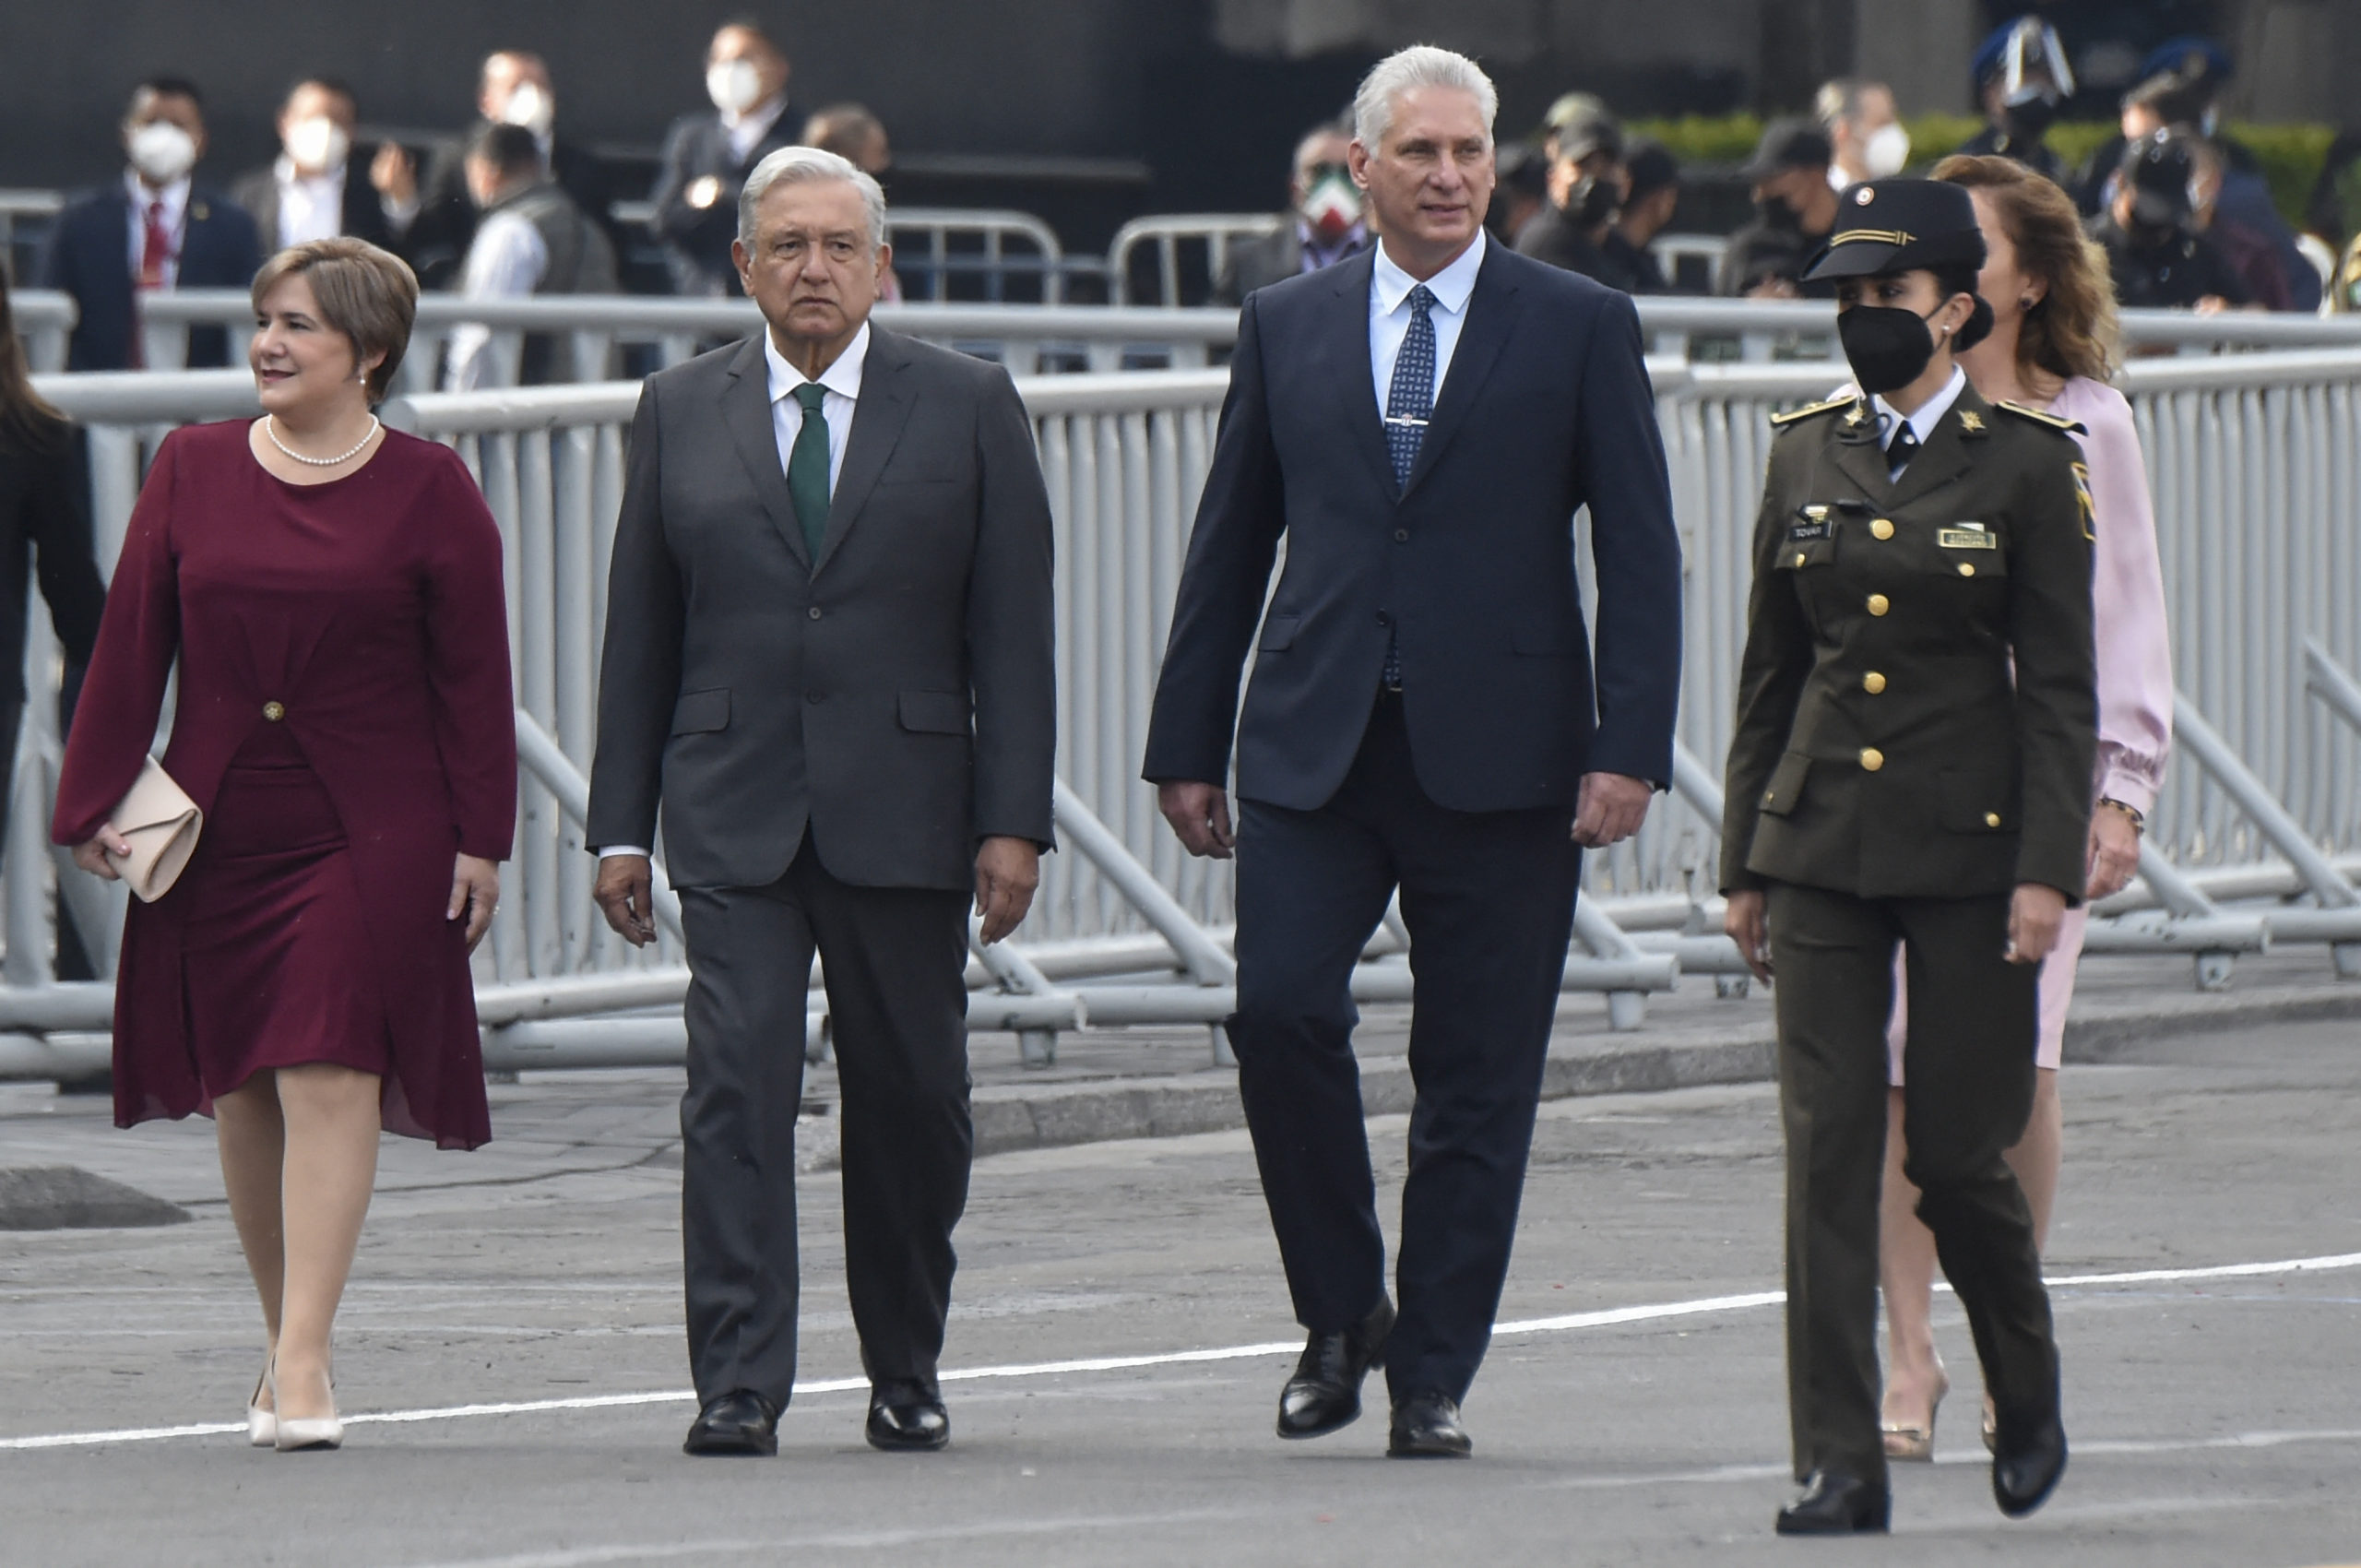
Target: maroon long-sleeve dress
344	719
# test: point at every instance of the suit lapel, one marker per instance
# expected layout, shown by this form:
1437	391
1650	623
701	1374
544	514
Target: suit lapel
1945	454
1347	338
1861	459
746	414
879	415
1492	309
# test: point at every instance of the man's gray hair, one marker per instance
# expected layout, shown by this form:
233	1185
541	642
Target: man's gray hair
1421	64
796	165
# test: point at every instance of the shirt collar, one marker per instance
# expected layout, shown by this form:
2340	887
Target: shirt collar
1930	413
174	197
763	114
843	377
1449	286
285	172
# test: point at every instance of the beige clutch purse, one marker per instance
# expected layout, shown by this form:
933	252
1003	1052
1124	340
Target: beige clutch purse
161	823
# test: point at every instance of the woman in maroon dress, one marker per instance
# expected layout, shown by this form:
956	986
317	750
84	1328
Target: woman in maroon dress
331	590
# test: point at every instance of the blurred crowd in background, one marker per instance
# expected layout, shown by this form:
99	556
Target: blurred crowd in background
507	207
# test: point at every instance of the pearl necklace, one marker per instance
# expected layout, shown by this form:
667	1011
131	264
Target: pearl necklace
270	428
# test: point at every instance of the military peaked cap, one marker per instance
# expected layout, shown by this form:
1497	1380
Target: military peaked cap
1896	225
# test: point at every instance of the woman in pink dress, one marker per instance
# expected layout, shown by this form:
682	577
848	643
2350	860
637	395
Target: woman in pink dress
330	591
2052	346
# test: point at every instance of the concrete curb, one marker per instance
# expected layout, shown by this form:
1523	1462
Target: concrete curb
1022	1116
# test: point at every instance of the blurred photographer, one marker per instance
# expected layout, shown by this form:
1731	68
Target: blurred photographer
2154	246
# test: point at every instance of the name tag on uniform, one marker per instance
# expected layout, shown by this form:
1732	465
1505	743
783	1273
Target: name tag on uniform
1969	537
1814	526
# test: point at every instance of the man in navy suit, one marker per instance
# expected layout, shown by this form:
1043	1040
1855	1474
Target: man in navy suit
1421	424
156	230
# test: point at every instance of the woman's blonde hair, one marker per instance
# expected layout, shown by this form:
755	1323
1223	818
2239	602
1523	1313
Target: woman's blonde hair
368	295
2071	331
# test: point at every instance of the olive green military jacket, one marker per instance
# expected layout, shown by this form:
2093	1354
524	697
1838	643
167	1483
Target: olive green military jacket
1917	709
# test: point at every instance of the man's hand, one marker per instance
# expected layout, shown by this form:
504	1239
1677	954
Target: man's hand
475	892
394	175
1007	871
1611	808
1200	815
93	857
625	892
2114	852
1744	921
2033	914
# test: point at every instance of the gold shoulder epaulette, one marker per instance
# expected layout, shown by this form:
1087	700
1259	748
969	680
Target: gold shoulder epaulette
1792	415
2070	427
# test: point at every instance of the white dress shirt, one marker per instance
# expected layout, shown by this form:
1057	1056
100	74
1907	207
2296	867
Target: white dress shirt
1922	424
175	199
506	260
747	130
842	383
310	206
1389	312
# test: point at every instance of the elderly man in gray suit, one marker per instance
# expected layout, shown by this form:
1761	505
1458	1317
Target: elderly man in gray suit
829	657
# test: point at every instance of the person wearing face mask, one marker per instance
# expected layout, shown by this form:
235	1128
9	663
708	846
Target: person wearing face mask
1651	193
1586	185
1794	211
1866	138
158	229
1911	769
2157	252
308	192
1322	226
2022	82
514	89
707	155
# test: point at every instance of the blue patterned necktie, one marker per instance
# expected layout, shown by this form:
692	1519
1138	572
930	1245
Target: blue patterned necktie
1408	403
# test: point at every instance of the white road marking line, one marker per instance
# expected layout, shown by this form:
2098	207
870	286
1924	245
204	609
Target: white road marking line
1602	1318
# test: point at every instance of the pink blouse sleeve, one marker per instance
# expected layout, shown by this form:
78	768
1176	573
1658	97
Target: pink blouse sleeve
2128	592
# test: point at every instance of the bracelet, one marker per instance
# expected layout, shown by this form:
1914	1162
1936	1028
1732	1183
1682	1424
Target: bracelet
2138	822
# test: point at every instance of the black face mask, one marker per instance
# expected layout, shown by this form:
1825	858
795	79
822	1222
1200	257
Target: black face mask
1592	202
2029	120
1780	214
1888	348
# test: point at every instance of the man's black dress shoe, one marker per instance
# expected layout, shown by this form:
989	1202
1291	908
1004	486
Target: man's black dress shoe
907	1417
740	1421
1326	1392
2028	1458
1835	1504
1426	1426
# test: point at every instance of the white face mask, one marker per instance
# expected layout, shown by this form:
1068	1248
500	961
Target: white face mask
530	107
733	85
163	153
318	144
1887	152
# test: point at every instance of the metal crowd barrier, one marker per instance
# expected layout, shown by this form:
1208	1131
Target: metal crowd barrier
2256	467
1162	240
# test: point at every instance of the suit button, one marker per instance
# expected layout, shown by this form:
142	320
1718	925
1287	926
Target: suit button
1873	682
274	711
1871	758
813	612
1401	536
1967	568
815	696
1882	530
1877	605
1385	618
1991	819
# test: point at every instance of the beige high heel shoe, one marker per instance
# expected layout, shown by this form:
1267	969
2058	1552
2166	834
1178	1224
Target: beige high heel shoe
297	1433
1913	1445
262	1426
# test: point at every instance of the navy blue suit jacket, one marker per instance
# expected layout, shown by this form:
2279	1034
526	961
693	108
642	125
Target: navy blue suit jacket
89	255
1545	406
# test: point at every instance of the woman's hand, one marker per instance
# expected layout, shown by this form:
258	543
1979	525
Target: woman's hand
2114	852
1745	922
2033	914
475	892
93	857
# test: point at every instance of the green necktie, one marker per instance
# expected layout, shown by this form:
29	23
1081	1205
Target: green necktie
807	468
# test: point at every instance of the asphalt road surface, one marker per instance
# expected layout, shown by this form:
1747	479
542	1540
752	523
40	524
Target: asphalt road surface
1122	1308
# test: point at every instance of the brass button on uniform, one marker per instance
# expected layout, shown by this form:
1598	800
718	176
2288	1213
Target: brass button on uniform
1801	557
1991	819
1882	530
274	711
1877	605
1871	759
1873	682
1967	568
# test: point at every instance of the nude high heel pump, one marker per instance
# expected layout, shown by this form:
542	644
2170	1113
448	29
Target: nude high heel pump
296	1434
262	1426
1910	1445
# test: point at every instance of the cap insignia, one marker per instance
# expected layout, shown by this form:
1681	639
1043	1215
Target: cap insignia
1880	236
1865	196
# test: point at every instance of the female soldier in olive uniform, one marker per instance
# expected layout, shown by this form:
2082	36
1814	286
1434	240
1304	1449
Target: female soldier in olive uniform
1917	721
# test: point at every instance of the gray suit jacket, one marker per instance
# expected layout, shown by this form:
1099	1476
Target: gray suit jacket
899	695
